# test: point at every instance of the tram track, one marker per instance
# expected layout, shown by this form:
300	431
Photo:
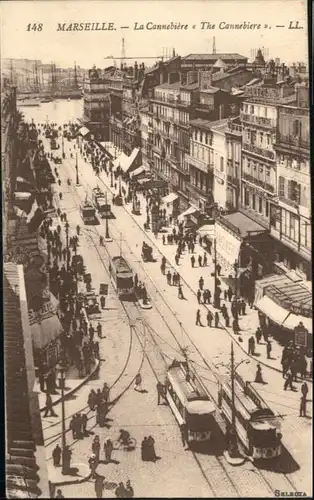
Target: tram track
217	467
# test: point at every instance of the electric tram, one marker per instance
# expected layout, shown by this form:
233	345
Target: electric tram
122	275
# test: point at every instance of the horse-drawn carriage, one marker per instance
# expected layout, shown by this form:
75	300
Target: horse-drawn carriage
147	253
91	303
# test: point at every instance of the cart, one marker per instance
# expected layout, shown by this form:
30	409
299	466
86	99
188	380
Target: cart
147	253
91	303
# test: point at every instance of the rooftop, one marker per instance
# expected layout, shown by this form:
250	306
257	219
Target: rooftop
209	125
173	86
214	57
244	224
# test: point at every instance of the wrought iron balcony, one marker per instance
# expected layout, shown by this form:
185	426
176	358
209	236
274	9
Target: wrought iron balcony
259	182
258	120
292	141
204	167
266	153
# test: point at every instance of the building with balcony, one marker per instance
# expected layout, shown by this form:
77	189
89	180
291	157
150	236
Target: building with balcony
8	150
259	121
290	215
97	104
173	107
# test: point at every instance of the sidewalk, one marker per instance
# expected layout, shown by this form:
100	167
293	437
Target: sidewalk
73	383
248	323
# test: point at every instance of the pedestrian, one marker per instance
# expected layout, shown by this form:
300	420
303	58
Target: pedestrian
288	381
199	296
91	399
201	283
218	269
144	449
99	486
59	494
163	239
108	448
72	426
303	406
192	261
268	349
176	258
216	320
243	307
92	461
229	294
224	311
160	392
205	259
56	456
169	277
120	491
103	302
304	389
252	345
259	375
49	407
209	318
227	320
184	434
200	260
235	326
151	449
138	383
106	392
180	293
198	318
258	335
129	492
84	421
99	330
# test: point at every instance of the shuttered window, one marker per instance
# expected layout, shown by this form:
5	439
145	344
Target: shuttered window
281	186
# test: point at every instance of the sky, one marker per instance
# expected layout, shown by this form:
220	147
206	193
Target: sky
92	47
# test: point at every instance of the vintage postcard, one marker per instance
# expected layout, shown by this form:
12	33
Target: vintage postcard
157	249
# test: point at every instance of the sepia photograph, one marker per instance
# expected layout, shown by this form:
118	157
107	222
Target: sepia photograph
157	258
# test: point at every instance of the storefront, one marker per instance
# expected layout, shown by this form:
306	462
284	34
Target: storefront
284	301
46	330
190	218
242	242
170	203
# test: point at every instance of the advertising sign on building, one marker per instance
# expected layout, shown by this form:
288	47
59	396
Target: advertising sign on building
228	249
300	335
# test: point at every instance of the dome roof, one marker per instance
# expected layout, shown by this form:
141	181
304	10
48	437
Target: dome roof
220	64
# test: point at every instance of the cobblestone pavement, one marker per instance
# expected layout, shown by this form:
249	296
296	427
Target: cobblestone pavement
213	344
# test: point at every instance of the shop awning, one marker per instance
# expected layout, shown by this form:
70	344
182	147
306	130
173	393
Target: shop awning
272	310
23	181
170	198
120	161
143	181
294	320
207	230
45	331
228	248
138	171
22	196
189	211
84	131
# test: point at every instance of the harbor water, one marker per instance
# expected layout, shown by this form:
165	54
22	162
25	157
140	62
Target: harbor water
57	111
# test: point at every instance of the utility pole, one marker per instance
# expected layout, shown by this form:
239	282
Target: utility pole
76	169
216	301
64	462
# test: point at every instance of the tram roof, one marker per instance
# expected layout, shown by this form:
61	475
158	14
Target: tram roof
185	391
199	407
243	401
121	264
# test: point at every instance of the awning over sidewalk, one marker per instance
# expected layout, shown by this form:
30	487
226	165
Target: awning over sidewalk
207	230
22	196
272	310
138	171
125	162
45	331
84	131
170	198
294	320
228	248
190	211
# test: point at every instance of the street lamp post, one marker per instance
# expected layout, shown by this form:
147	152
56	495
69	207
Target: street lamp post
233	450
107	236
216	297
67	242
65	465
62	145
236	268
76	169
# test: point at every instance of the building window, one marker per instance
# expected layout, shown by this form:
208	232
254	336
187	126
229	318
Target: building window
221	164
266	208
297	127
260	205
201	136
281	186
293	226
206	138
246	198
252	110
294	191
253	201
265	112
